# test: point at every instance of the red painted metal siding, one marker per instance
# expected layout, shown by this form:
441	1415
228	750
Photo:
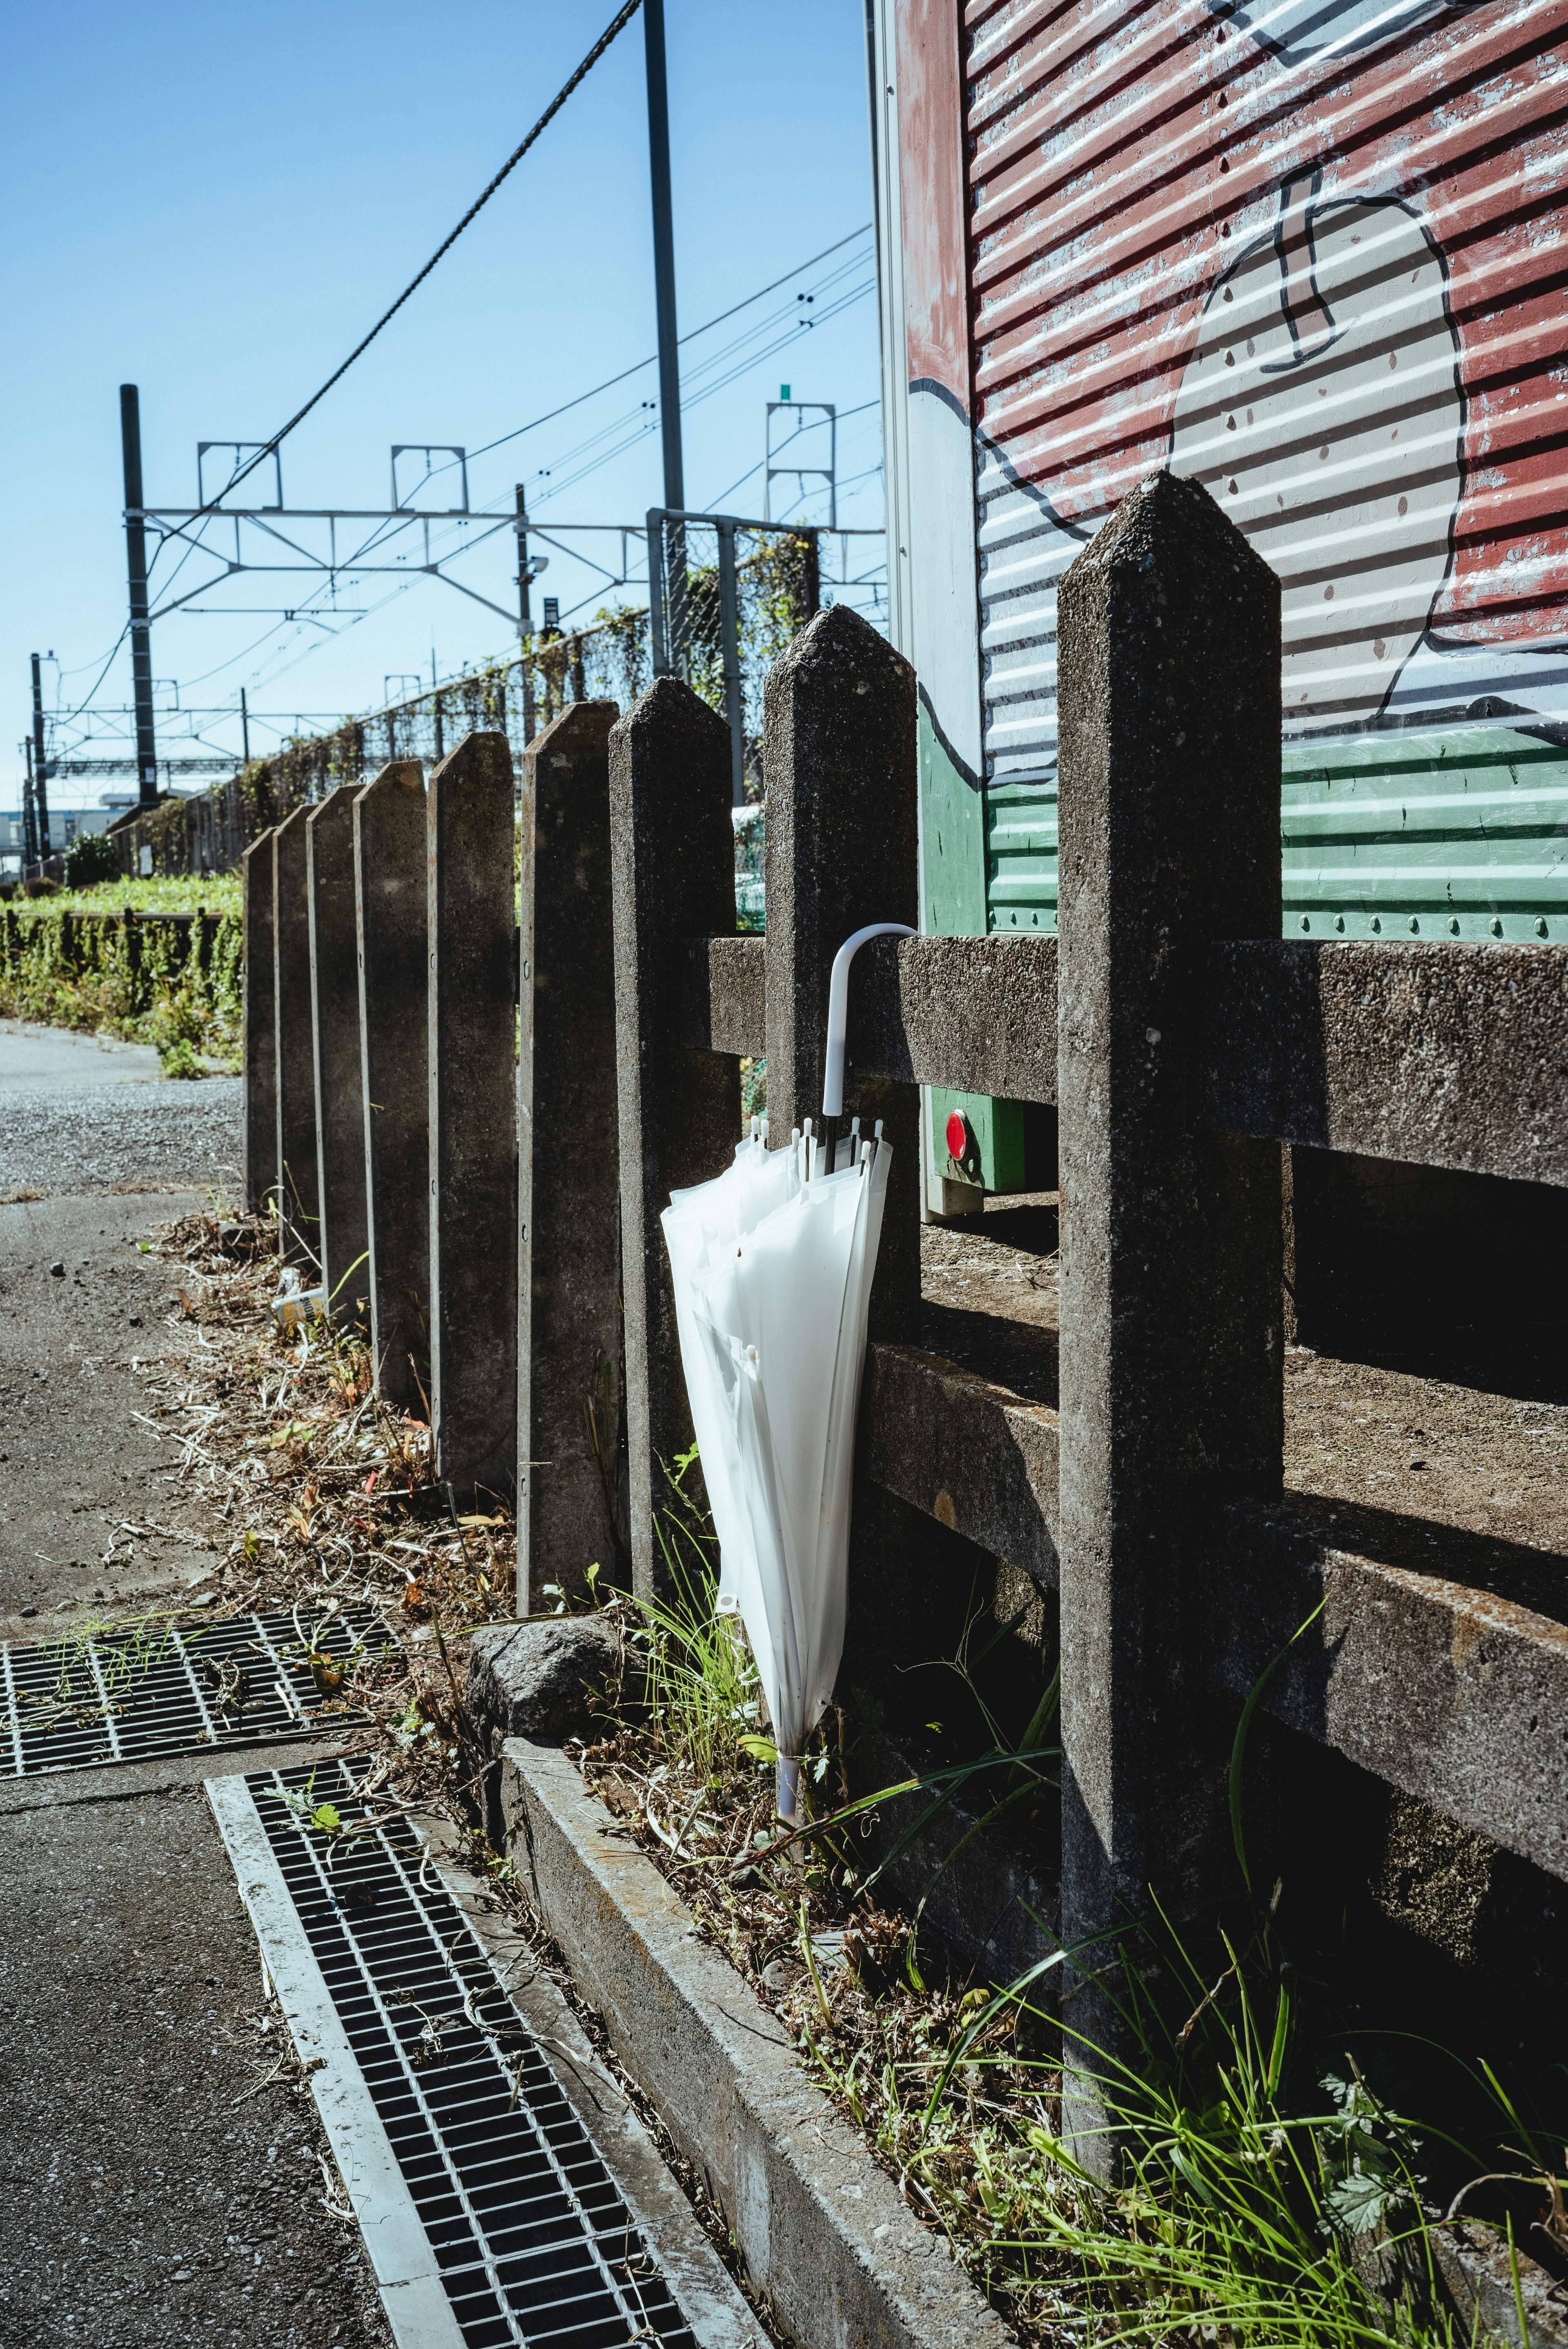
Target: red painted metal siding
1311	252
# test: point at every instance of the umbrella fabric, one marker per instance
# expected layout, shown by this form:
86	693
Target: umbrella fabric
772	1284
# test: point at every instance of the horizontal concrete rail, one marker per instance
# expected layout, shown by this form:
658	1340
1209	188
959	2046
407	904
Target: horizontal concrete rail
1440	1055
1447	1679
821	2228
723	997
1457	1694
972	1454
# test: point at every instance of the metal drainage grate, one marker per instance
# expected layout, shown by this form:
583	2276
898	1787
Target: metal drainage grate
137	1696
533	2241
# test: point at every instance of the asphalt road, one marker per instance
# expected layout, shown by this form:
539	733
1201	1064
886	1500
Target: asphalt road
154	2195
147	2197
96	1151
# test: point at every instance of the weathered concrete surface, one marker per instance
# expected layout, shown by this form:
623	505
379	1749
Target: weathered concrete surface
145	2196
821	2228
537	1679
571	1407
259	1048
294	1050
1439	1663
1447	1055
1456	1693
723	995
838	754
1478	2268
672	848
470	840
1172	1337
980	1460
339	1073
1437	1055
391	901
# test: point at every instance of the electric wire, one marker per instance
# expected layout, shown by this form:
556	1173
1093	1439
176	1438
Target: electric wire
610	382
616	24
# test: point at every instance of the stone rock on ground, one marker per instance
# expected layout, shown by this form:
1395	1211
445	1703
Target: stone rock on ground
535	1678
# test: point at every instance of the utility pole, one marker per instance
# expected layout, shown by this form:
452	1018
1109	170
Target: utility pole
29	813
524	612
244	730
40	770
136	570
664	254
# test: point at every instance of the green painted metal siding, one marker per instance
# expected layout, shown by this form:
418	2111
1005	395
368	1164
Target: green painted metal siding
1458	834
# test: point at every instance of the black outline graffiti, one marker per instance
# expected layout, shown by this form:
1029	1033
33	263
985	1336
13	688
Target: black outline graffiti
1312	212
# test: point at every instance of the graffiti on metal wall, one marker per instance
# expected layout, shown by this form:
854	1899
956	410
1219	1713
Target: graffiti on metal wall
1367	375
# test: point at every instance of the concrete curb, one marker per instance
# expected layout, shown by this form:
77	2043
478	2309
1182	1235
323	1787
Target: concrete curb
821	2228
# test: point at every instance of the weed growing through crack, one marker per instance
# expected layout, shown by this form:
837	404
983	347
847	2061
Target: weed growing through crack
1260	2196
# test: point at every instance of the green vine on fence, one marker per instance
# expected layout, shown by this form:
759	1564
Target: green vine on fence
177	986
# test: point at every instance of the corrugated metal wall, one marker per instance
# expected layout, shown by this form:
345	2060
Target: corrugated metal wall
1312	252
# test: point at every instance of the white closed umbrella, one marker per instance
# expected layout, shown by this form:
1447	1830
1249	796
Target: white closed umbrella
772	1266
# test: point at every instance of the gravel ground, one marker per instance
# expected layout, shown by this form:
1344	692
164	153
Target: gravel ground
102	1137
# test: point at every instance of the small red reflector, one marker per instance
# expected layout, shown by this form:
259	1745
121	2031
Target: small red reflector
957	1135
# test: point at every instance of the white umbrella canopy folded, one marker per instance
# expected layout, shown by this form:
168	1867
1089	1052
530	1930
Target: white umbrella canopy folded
772	1264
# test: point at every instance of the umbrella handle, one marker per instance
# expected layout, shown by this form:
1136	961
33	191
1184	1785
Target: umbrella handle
838	1010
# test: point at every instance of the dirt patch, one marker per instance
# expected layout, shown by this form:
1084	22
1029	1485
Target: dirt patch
1413	1448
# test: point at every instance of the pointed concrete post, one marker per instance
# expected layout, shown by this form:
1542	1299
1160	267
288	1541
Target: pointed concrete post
260	1107
334	1028
299	1211
673	852
1171	1350
839	753
472	835
389	890
570	1390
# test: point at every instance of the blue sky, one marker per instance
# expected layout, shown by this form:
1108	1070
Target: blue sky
216	204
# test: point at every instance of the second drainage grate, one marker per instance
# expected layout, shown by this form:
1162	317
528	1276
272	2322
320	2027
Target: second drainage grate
139	1695
530	2238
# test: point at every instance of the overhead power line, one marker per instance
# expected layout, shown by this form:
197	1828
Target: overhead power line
611	381
617	24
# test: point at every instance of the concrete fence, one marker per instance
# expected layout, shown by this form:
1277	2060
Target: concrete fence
1180	1041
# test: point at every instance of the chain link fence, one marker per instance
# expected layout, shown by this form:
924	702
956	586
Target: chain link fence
726	597
729	597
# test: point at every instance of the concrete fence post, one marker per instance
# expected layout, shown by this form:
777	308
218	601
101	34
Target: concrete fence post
389	892
1171	1351
569	1380
260	1048
335	1028
299	1205
471	833
673	857
838	754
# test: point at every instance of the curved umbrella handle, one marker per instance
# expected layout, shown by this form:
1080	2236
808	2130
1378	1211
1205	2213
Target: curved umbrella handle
838	1009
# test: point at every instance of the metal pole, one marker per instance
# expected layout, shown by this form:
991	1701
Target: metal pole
657	585
525	612
135	572
664	253
244	729
729	631
29	813
40	765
